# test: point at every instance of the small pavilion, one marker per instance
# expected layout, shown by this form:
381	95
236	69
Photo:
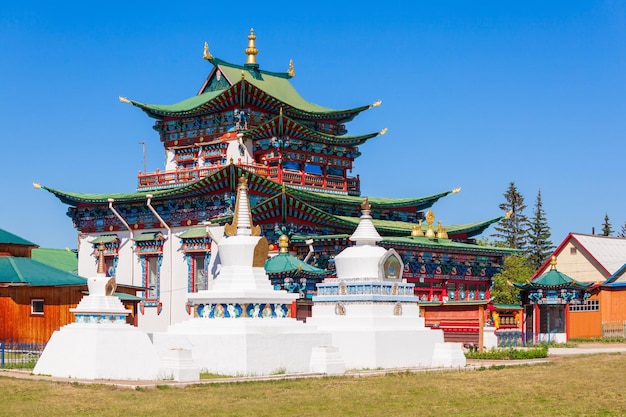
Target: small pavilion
546	301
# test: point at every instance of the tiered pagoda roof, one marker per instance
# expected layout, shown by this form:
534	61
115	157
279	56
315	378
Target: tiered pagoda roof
282	203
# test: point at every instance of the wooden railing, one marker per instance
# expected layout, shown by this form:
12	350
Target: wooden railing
164	179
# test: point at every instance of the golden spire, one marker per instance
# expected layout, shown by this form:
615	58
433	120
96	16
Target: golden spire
291	72
430	218
207	55
553	263
283	244
251	50
243	74
101	270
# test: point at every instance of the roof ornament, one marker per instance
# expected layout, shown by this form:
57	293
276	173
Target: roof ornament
382	132
124	100
430	219
417	229
207	55
553	263
508	214
456	190
283	244
442	233
291	72
243	75
36	185
377	103
251	50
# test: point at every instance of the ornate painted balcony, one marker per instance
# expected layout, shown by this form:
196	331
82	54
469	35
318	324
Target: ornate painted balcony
331	184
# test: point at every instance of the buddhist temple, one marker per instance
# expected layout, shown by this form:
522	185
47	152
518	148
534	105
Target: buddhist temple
297	160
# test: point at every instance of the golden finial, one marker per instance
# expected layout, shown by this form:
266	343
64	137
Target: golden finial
207	55
281	112
430	218
283	244
508	214
124	100
251	50
365	205
382	132
456	190
291	72
36	185
377	103
243	75
553	263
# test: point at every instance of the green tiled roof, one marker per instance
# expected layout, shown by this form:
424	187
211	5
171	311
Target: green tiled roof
194	232
553	279
25	271
73	198
10	238
63	259
275	86
284	263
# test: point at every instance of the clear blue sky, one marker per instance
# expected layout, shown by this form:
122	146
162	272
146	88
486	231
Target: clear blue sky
475	94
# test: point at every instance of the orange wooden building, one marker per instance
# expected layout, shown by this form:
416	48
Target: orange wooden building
599	261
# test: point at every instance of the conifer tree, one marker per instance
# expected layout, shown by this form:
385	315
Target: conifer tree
539	243
622	233
512	230
606	227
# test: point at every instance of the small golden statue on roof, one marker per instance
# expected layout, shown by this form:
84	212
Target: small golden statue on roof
291	72
430	219
207	55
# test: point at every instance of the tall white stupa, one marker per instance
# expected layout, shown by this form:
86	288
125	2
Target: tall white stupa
372	312
242	325
99	344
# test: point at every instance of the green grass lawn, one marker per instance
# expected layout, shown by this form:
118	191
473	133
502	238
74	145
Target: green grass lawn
589	385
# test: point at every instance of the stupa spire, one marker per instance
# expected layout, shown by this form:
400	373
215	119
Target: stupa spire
242	219
366	233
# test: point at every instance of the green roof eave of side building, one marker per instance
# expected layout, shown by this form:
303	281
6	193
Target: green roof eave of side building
10	238
26	271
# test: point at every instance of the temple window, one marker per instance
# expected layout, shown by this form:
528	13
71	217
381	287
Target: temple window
109	244
149	248
197	248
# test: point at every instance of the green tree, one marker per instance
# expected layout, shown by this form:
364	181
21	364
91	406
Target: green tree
606	227
512	230
539	244
516	269
622	232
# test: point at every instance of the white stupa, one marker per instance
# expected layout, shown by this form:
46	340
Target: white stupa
373	313
242	325
99	344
